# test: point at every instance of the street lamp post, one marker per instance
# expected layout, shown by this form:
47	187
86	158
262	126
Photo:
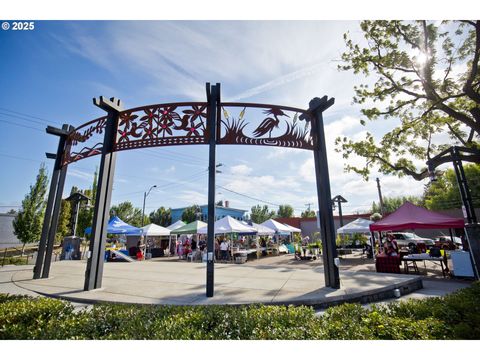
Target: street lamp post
145	194
339	200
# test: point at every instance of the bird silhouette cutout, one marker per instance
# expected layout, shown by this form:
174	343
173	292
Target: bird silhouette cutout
269	123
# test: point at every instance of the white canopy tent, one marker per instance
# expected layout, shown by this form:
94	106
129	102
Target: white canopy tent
177	224
156	230
275	225
359	226
293	229
261	230
228	225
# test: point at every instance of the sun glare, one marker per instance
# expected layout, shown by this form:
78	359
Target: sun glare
420	57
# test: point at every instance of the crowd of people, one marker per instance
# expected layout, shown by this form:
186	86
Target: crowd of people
196	248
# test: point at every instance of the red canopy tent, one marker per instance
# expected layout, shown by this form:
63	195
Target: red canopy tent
409	216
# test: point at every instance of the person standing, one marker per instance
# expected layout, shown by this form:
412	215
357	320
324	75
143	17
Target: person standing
224	250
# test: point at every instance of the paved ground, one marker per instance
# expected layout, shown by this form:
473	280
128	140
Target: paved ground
270	280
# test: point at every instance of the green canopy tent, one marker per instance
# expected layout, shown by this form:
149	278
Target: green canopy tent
191	228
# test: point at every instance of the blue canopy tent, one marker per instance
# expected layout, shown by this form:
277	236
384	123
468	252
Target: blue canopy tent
118	226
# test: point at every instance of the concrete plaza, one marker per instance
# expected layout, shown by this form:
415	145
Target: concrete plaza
274	280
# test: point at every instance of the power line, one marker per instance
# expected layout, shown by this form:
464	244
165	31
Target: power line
22	125
30	116
21	158
254	198
174	183
22	118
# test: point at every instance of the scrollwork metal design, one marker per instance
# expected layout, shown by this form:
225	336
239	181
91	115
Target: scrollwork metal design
162	125
87	137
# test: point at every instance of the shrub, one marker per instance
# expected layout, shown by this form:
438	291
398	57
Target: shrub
455	316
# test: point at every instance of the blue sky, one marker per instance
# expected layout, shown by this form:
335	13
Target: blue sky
50	75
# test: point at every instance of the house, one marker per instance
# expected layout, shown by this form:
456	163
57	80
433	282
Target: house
7	238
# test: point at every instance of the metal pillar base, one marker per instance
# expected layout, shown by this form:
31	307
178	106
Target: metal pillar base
94	270
213	95
327	226
53	227
473	239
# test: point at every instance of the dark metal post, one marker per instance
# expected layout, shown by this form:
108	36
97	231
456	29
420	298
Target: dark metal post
53	227
472	228
76	210
94	271
213	96
340	213
465	194
327	226
37	270
47	220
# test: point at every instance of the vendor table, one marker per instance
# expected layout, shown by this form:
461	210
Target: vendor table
413	258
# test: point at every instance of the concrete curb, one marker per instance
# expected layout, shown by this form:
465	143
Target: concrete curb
364	297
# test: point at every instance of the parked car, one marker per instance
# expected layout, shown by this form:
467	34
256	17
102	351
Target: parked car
406	239
445	242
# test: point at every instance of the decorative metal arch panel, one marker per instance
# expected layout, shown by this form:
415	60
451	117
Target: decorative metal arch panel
162	125
85	141
185	123
262	124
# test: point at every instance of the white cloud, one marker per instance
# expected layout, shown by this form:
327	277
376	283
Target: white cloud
192	197
81	174
241	169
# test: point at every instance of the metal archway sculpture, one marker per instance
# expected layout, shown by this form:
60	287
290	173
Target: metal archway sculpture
184	123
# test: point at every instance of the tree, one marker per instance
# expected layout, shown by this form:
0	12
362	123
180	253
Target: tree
161	216
63	228
85	214
444	193
12	212
190	213
285	211
259	214
375	217
130	214
428	79
27	225
308	214
390	204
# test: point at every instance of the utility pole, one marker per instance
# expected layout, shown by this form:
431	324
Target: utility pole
380	197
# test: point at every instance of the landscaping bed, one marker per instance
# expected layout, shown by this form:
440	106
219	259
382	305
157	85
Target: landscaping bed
455	316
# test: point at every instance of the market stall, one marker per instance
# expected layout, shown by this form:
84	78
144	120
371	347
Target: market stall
282	231
177	224
157	239
127	234
188	237
235	232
